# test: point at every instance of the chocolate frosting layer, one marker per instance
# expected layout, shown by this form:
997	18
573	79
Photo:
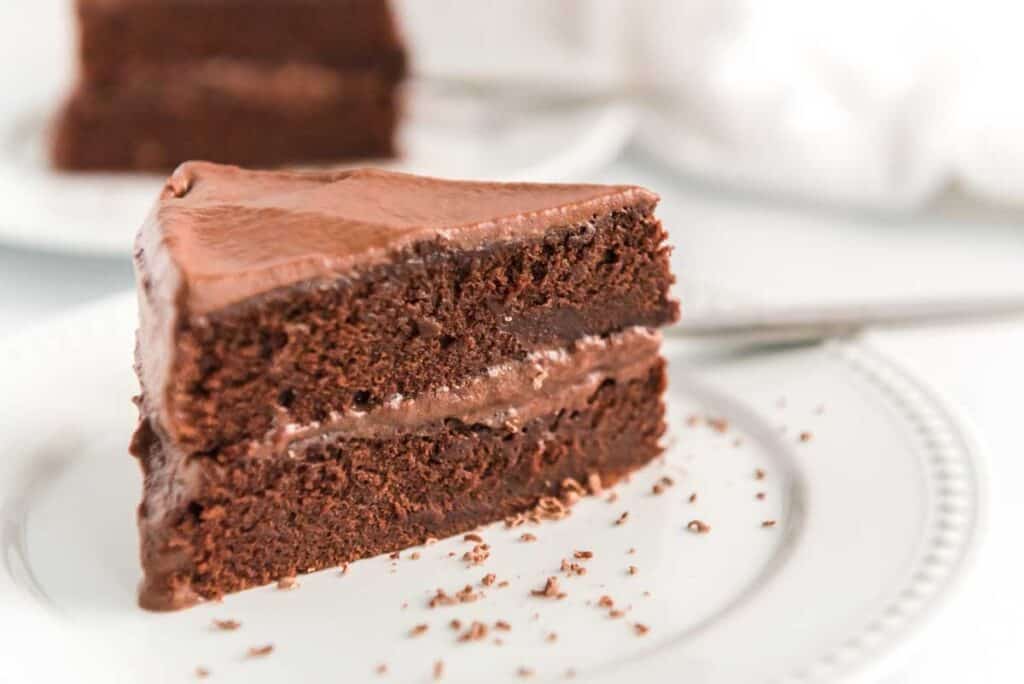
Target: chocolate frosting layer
231	233
508	396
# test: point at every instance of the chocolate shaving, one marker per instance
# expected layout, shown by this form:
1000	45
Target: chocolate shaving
767	523
502	625
418	630
527	537
472	537
227	625
718	424
479	554
550	590
698	527
583	555
621	520
260	651
524	672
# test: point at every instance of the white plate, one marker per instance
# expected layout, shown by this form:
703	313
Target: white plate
877	517
449	131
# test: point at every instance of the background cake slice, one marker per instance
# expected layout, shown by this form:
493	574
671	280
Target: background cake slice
262	82
340	364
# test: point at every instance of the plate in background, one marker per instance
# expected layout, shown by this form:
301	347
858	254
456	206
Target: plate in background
451	130
877	513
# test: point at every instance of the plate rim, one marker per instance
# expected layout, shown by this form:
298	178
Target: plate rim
885	642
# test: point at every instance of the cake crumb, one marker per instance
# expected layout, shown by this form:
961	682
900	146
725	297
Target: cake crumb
429	541
550	590
621	520
760	496
641	629
344	569
571	569
415	555
805	436
719	425
498	641
503	626
632	570
382	669
260	651
616	614
524	672
693	498
767	523
527	537
698	527
631	551
606	602
286	583
502	584
488	579
202	672
227	625
594	484
418	630
759	474
477	632
570	673
455	624
612	497
438	670
395	555
583	555
692	420
551	638
479	554
473	537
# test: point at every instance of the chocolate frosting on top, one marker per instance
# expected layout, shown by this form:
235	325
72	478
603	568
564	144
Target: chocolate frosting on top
226	234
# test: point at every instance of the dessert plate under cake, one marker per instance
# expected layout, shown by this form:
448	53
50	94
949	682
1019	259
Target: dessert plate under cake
870	483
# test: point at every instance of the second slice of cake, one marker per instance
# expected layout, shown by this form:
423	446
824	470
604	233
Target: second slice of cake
340	364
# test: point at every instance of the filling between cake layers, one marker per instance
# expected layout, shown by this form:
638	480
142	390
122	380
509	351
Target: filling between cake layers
433	312
363	483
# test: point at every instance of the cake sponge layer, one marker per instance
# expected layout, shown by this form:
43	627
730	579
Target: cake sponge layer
210	528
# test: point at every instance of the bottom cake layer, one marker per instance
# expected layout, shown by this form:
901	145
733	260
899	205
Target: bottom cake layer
211	528
231	112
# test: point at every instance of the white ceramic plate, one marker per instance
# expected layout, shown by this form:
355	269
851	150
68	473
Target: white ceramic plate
877	514
449	131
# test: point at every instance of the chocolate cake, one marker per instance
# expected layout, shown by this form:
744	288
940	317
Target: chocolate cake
340	364
261	82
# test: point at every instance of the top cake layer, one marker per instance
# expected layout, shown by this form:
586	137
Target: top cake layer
116	35
226	234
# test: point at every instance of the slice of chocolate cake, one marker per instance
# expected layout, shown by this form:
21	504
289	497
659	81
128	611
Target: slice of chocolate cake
340	364
264	82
